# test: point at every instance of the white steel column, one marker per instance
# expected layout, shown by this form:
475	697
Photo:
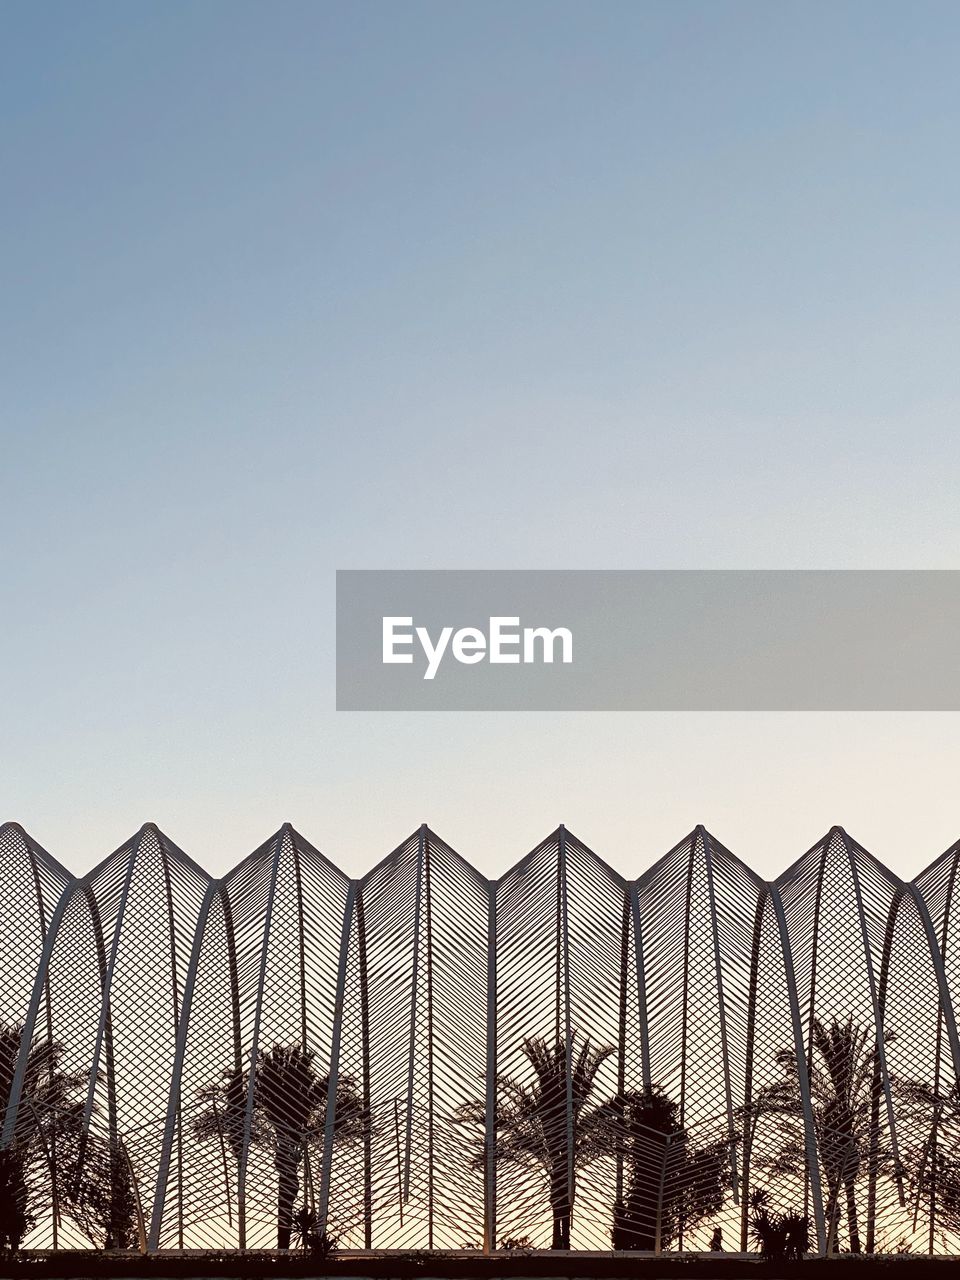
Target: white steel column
333	1076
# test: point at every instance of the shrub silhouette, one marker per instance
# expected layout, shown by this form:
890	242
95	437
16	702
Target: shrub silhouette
780	1237
670	1186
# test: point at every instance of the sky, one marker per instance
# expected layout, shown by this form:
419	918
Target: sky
292	287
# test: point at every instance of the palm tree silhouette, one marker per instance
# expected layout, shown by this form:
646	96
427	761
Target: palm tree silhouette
98	1183
844	1090
932	1119
223	1118
290	1111
532	1120
48	1109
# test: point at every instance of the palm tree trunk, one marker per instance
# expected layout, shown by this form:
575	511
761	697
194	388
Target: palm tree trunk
634	1225
833	1214
874	1158
560	1206
852	1223
287	1187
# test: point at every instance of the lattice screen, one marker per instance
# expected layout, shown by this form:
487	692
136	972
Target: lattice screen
427	1059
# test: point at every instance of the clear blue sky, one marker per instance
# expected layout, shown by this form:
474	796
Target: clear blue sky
289	287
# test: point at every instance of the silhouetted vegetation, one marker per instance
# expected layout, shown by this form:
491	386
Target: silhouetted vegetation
47	1114
533	1126
309	1237
933	1124
289	1114
845	1091
670	1185
16	1220
516	1244
224	1118
780	1237
95	1179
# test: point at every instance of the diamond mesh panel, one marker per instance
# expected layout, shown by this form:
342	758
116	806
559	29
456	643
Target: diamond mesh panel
426	1059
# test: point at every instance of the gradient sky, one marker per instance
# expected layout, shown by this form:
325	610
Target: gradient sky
289	287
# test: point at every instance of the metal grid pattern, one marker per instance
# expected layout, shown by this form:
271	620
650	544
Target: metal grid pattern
428	1059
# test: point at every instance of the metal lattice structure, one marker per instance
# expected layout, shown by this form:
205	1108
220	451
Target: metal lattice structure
428	1059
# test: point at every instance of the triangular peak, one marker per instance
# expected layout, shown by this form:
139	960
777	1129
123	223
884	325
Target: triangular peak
835	846
578	857
285	842
14	839
673	858
147	841
408	852
700	865
174	852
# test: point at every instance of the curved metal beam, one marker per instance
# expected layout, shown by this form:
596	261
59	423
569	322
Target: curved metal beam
877	1015
417	912
255	1034
173	1101
748	1119
799	1048
104	1022
490	1103
721	1010
333	1071
30	1022
641	984
567	1027
943	987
